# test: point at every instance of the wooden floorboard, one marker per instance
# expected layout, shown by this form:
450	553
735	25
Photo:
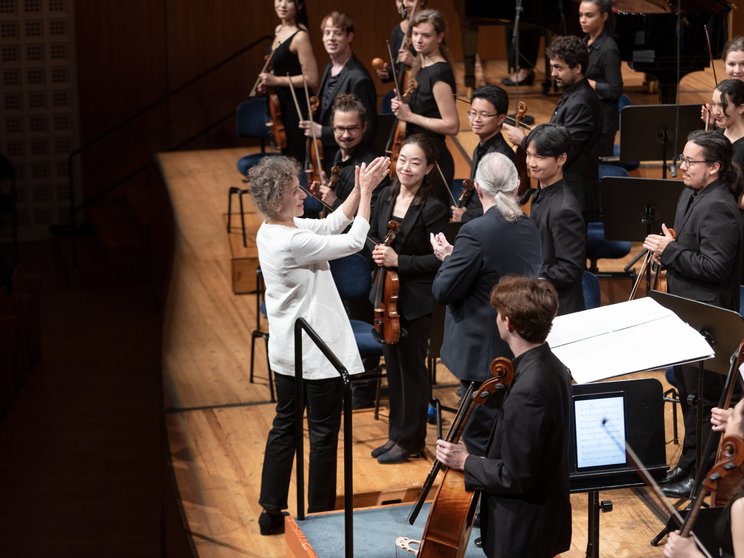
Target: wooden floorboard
217	421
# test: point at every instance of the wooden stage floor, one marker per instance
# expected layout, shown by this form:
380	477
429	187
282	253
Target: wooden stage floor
217	421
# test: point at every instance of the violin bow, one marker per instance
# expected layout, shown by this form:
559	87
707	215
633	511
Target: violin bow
294	98
395	74
715	78
312	128
444	182
265	66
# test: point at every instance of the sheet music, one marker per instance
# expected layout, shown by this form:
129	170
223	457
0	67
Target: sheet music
600	431
624	338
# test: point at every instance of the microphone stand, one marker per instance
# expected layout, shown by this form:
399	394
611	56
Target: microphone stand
518	9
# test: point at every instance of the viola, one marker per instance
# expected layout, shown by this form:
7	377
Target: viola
278	132
314	149
521	154
451	517
387	286
659	281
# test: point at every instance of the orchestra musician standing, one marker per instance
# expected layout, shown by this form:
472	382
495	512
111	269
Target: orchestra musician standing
292	59
293	254
603	70
503	241
488	109
702	264
431	108
405	56
414	201
525	504
733	58
344	74
579	111
557	214
727	110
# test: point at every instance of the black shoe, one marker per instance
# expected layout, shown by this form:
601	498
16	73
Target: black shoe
378	451
478	542
676	475
681	489
529	79
398	454
271	523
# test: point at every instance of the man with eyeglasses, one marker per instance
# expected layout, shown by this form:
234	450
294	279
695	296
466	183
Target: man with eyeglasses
703	264
488	108
344	74
579	110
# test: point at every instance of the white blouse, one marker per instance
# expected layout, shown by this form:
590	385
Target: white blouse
299	284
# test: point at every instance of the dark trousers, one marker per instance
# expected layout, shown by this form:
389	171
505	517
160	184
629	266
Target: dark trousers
529	44
686	380
478	429
323	399
408	384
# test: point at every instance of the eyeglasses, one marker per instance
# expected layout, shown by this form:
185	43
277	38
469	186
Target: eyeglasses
681	160
482	115
351	129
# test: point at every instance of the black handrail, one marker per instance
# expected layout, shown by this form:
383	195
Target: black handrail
301	325
73	208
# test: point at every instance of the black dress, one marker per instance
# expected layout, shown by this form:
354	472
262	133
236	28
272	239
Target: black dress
604	69
422	102
738	151
286	62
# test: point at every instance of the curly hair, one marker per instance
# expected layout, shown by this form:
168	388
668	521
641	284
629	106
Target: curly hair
530	304
348	102
269	179
571	50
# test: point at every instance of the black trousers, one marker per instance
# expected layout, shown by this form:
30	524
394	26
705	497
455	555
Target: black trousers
323	399
408	384
686	379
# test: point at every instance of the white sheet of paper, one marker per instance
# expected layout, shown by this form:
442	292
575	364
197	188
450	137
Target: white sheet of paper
623	338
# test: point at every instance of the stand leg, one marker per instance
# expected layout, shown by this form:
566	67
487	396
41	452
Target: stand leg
592	543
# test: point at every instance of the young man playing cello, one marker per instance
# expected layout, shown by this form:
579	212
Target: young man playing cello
526	510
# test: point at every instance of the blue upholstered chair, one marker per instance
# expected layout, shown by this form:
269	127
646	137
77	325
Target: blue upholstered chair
250	123
597	247
259	332
623	102
590	285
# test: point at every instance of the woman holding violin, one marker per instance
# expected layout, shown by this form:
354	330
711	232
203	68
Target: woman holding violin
294	254
431	106
525	504
405	56
729	528
411	201
603	71
291	58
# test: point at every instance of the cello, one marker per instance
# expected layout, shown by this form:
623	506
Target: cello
451	517
387	285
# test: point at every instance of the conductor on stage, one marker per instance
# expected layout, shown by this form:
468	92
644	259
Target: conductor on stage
525	507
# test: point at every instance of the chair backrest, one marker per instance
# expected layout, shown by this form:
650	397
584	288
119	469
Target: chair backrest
590	285
352	276
611	170
623	102
251	117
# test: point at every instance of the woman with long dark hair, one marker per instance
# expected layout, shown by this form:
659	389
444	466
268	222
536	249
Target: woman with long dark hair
413	202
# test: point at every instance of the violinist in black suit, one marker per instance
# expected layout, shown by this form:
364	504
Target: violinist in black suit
503	241
344	74
702	264
523	479
415	201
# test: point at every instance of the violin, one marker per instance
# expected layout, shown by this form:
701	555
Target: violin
465	193
451	517
276	123
387	285
314	149
521	154
398	131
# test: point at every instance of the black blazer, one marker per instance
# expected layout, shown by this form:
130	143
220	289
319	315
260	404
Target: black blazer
703	262
580	112
525	504
417	263
353	78
557	215
486	249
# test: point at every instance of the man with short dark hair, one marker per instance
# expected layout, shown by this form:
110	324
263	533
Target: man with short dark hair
557	214
579	110
344	74
488	109
525	504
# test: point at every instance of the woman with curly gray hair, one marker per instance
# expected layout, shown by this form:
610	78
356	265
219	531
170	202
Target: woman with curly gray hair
293	254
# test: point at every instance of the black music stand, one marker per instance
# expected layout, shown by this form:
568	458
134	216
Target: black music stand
723	330
633	208
656	132
640	422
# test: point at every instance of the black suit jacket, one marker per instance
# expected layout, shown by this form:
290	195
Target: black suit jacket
580	112
353	78
486	249
557	215
525	506
703	262
417	263
497	144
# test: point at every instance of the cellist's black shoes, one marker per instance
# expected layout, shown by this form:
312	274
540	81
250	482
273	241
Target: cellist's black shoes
675	475
271	523
681	489
377	452
398	454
